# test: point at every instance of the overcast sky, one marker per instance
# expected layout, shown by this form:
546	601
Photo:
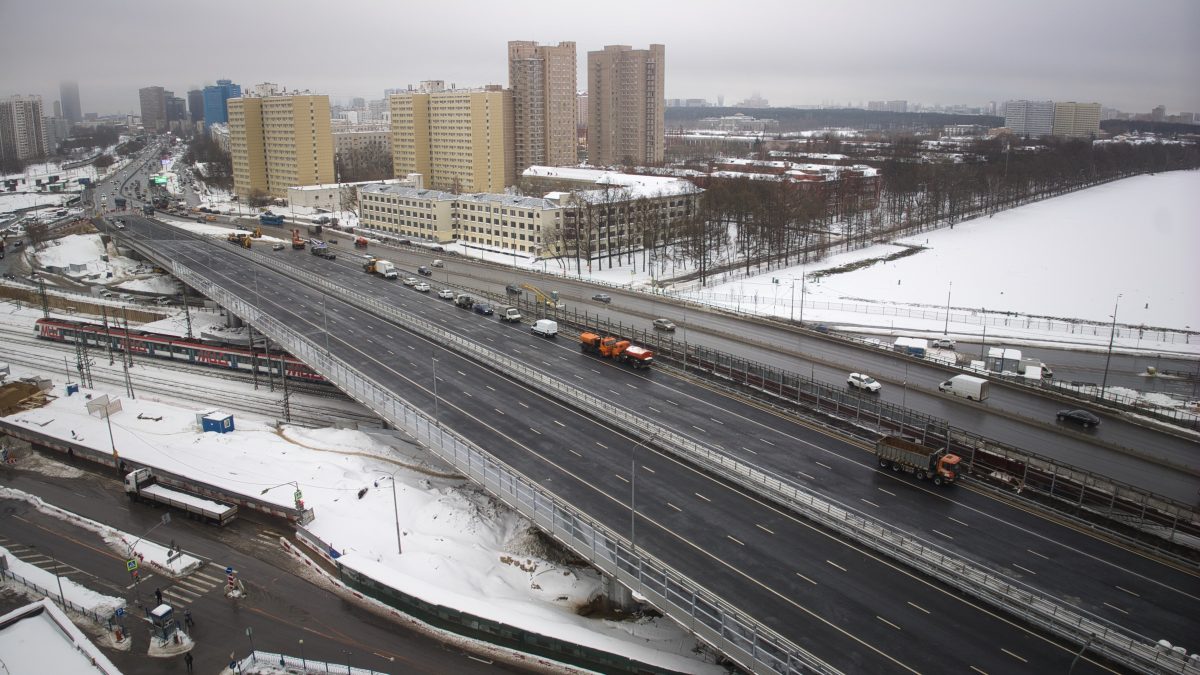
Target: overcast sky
1127	55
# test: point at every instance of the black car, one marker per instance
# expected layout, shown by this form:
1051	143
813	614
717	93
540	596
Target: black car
1082	417
424	271
602	297
484	309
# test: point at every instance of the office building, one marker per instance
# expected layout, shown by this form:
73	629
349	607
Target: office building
216	109
154	109
68	94
22	128
176	109
1081	120
459	139
625	105
58	109
195	101
277	142
1029	118
542	80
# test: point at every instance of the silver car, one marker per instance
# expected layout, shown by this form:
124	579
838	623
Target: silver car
664	324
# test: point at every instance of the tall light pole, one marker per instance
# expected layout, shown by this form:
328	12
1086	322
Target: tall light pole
946	328
1112	334
303	661
395	508
803	280
983	344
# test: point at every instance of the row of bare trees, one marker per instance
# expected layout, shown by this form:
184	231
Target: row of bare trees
743	223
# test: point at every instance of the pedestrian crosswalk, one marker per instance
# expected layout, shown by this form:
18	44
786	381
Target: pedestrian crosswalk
34	556
268	538
183	592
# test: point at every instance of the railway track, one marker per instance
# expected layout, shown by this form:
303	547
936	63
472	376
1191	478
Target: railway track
155	376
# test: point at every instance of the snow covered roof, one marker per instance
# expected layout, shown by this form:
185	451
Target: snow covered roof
40	638
405	192
635	185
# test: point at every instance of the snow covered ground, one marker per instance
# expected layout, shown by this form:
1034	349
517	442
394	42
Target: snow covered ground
460	547
84	257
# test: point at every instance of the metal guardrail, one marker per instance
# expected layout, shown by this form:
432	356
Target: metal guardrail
57	599
738	635
1126	647
298	664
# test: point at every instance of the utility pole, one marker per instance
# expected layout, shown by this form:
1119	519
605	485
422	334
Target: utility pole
127	360
107	334
1112	334
287	394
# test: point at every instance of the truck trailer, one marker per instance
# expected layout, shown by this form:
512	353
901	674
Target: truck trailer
141	485
900	454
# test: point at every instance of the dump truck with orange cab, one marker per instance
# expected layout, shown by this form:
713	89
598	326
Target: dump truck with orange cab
900	454
612	347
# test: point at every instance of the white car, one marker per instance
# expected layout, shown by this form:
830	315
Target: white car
421	286
446	294
942	343
864	382
410	281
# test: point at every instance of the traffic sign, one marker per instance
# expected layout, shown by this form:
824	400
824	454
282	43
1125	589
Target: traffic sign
228	570
131	564
120	611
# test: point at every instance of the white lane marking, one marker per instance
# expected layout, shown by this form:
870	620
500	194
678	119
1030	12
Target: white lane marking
631	386
749	450
887	622
522	404
1043	557
490	387
498	410
730	537
919	607
767	442
702	496
764	529
824	465
1128	591
646	468
601	445
836	565
958	521
574	452
653	409
621	477
886	492
697	428
1015	656
806	579
1024	569
560	424
671	402
1117	608
981	672
535	431
674	507
805	475
943	534
869	503
717	421
462	373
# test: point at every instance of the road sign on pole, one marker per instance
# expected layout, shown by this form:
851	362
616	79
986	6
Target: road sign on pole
131	564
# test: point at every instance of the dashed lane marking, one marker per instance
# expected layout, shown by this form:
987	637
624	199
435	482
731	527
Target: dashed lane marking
1015	656
958	521
868	503
621	477
805	475
887	622
822	464
601	445
674	507
1126	590
734	540
764	529
919	607
702	496
942	534
1023	569
1116	608
806	579
1043	557
886	492
836	565
560	424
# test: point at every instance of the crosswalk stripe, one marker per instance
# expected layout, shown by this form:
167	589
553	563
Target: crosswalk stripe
176	592
215	580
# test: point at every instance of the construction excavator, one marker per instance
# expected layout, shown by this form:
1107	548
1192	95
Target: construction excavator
543	299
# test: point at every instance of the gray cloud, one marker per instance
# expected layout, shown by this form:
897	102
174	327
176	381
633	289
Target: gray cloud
1127	55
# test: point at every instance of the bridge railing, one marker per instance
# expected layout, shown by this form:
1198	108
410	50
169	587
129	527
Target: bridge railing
715	620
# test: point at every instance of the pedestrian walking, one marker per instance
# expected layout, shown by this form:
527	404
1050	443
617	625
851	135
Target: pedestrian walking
187	661
158	595
187	617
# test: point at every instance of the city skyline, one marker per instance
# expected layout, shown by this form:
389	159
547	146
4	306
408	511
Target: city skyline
1081	51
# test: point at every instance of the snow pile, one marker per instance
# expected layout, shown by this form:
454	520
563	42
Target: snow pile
81	596
74	249
460	547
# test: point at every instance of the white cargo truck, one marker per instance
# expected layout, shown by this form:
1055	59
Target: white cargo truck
386	269
510	314
967	386
545	328
141	485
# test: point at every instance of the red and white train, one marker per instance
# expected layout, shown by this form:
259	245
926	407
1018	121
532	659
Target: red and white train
175	348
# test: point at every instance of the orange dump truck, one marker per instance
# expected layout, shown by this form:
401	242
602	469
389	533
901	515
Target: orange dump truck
611	347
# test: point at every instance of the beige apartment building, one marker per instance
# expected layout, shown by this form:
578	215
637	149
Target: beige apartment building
626	105
542	79
497	221
280	141
1080	120
460	139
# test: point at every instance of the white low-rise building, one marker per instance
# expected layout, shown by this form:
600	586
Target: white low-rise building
341	196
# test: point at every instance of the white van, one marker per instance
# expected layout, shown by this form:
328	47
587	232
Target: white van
545	328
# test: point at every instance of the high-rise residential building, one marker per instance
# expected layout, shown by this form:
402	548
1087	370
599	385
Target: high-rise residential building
277	142
22	128
58	109
195	101
460	139
1158	113
542	80
1029	118
154	108
215	97
1076	119
625	105
68	93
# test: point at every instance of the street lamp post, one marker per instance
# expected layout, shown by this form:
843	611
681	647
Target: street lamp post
946	328
983	343
296	496
395	508
303	661
1112	334
803	280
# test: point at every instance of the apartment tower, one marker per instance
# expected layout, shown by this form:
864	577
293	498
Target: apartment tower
22	128
278	142
1032	119
1080	120
461	140
542	80
154	108
626	105
68	94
